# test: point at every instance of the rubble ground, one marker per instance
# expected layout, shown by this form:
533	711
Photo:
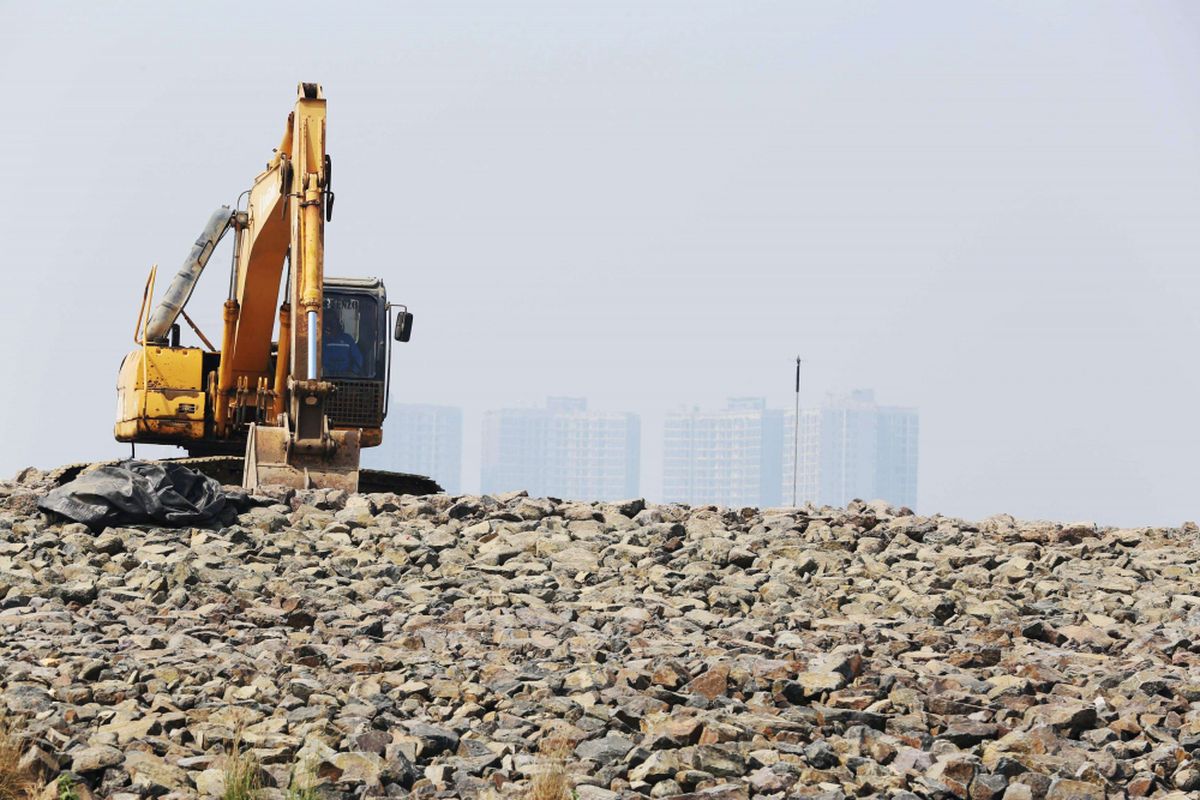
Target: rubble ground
439	646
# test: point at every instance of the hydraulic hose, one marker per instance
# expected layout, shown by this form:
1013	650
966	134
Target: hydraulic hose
180	290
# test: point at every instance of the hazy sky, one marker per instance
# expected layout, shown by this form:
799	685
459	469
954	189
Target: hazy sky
989	211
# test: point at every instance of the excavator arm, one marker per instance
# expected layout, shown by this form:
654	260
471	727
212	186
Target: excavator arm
295	445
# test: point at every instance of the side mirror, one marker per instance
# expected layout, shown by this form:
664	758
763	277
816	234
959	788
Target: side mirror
404	323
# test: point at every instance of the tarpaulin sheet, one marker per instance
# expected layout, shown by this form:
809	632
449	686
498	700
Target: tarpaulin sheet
133	492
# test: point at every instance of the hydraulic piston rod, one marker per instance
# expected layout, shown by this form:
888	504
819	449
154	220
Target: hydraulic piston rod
312	345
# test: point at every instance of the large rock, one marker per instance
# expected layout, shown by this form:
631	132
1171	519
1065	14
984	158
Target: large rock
154	775
93	759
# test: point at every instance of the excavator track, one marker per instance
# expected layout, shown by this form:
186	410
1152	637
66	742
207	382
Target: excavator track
227	470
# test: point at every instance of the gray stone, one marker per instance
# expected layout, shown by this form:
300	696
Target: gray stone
91	759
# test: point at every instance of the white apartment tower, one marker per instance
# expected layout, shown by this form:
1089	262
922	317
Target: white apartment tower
422	439
563	450
731	457
852	448
807	486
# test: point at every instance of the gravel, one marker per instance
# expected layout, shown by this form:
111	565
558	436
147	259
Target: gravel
443	646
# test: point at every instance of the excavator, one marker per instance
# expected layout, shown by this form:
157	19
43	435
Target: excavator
292	410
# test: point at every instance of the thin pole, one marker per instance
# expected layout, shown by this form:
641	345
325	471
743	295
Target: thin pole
796	437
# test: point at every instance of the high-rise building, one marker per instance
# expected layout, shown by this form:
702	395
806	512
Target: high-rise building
515	451
731	457
563	450
897	433
852	448
807	485
422	439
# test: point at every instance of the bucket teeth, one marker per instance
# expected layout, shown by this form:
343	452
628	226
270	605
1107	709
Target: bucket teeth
274	456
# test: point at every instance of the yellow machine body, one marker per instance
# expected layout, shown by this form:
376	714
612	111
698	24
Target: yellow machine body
160	395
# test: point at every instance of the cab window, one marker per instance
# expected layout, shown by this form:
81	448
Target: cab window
349	336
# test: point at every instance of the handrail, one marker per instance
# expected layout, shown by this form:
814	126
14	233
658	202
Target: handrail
139	336
147	296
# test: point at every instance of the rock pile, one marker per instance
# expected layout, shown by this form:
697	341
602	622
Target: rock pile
377	645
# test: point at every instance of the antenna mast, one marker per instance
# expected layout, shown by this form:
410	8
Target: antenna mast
796	437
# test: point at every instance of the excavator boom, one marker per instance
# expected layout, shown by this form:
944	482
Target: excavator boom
298	447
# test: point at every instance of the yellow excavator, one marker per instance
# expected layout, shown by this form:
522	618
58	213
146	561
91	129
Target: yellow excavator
293	410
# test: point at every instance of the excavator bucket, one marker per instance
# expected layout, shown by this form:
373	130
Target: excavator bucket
275	456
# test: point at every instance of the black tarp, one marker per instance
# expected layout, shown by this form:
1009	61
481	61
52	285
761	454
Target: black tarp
133	492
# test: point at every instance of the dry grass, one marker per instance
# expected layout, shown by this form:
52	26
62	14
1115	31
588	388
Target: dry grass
241	774
15	782
551	782
302	783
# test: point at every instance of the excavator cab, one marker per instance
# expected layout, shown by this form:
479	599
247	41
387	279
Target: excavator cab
355	359
355	353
